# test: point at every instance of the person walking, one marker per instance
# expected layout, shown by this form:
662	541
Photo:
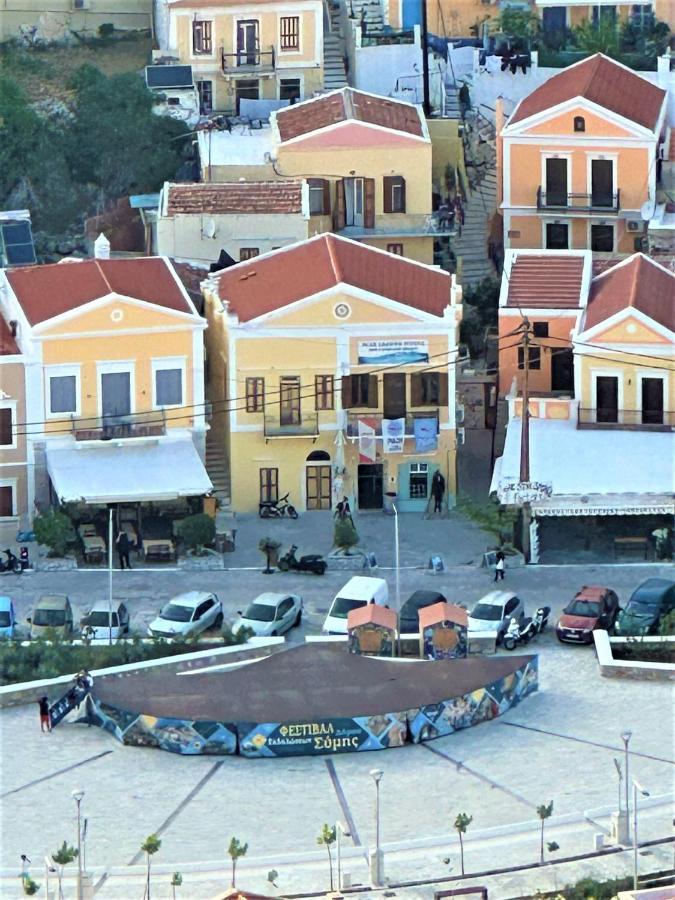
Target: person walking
437	491
499	566
123	548
45	721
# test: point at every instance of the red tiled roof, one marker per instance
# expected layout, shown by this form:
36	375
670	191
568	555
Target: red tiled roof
371	614
440	612
344	105
272	281
543	281
8	346
638	282
48	291
251	197
602	81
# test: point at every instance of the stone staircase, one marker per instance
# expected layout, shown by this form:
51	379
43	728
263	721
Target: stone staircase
368	10
218	469
334	73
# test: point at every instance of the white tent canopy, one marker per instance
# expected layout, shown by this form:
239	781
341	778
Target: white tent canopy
115	472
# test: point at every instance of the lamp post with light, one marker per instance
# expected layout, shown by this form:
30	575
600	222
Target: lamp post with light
376	856
625	737
77	796
636	787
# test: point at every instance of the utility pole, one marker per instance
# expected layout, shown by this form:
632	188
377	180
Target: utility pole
425	61
525	439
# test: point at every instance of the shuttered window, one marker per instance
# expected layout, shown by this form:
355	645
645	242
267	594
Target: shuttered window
6	426
324	391
359	391
6	501
202	36
248	253
394	194
368	202
255	394
289	33
319	196
429	389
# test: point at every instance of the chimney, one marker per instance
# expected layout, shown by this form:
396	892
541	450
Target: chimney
102	247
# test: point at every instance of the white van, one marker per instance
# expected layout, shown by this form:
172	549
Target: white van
359	591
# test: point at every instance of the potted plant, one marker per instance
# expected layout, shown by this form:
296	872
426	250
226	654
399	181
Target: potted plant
270	548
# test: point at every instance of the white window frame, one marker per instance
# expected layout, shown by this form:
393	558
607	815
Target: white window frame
113	368
612	225
549	154
59	371
212	54
290	75
161	365
10	483
609	157
290	14
10	404
254	17
652	373
607	373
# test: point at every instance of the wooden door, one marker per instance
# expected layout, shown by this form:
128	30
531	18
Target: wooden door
394	405
289	398
318	480
556	182
652	401
602	182
269	485
247	43
607	398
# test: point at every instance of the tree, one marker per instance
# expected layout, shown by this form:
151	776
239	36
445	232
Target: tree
30	887
235	851
462	822
544	812
600	37
63	856
150	846
197	531
53	529
345	536
176	881
521	26
327	836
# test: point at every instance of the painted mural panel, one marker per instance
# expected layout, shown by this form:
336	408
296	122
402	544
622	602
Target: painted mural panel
445	640
370	639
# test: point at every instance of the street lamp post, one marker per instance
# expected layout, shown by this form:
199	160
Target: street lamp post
77	797
619	773
340	829
397	576
636	787
110	572
625	737
376	860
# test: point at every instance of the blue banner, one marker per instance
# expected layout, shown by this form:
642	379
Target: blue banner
426	434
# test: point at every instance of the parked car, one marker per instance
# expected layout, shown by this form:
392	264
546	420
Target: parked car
102	624
53	613
494	611
649	601
359	591
409	618
592	608
186	615
270	614
7	618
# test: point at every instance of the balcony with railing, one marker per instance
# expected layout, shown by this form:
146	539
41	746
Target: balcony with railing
109	428
376	420
302	425
596	202
248	62
626	419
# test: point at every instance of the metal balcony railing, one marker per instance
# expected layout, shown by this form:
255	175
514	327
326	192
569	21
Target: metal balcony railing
108	428
597	201
245	61
307	425
626	419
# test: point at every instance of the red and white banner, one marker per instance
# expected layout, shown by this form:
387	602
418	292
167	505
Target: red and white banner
367	453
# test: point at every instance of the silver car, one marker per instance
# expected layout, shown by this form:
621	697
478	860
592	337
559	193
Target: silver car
494	611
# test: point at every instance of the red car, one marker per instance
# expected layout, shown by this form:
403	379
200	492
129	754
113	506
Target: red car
593	607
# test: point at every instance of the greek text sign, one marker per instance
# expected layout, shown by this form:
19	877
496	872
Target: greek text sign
401	352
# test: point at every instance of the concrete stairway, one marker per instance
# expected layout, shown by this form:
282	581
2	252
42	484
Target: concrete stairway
334	74
371	10
218	469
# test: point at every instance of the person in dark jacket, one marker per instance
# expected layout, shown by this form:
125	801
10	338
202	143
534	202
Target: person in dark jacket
437	491
45	720
123	548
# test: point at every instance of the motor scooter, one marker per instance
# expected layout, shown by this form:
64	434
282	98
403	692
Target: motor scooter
540	620
12	564
518	633
312	562
277	509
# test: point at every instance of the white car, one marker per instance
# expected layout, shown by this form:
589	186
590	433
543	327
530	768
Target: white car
98	624
270	614
494	611
186	615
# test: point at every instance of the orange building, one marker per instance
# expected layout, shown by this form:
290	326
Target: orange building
580	157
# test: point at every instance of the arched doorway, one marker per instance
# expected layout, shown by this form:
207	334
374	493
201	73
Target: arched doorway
318	480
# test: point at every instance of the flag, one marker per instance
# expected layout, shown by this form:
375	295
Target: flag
393	435
426	435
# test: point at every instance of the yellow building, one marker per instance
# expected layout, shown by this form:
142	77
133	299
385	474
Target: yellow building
15	488
333	365
114	358
249	49
368	159
54	21
607	455
579	159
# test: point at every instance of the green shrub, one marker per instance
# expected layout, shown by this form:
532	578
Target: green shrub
197	531
53	529
345	536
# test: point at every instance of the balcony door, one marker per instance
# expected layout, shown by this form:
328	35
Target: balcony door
556	181
394	406
562	370
248	43
607	398
602	182
354	201
289	398
115	394
652	401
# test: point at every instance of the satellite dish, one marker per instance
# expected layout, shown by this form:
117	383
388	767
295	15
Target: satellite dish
647	210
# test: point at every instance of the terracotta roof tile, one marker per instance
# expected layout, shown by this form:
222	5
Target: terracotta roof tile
345	105
543	281
638	282
372	614
602	81
48	291
244	198
439	612
8	346
274	280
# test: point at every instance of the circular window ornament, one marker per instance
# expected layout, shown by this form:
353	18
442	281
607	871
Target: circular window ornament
631	328
117	315
342	311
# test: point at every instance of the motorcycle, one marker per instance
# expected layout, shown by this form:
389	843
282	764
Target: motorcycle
312	562
277	509
12	564
518	633
540	620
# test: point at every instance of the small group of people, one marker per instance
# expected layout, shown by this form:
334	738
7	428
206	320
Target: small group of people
83	682
343	510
